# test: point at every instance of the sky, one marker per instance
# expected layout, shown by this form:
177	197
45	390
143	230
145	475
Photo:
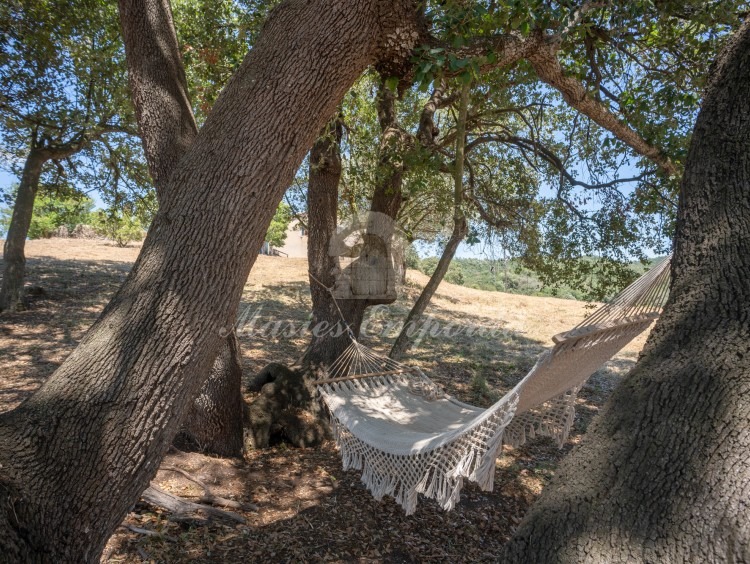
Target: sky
6	179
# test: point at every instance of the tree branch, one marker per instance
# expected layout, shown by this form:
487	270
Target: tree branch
551	158
508	48
548	68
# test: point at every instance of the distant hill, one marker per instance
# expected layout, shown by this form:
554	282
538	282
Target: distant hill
504	276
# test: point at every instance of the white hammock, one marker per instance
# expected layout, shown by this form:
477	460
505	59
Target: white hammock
409	437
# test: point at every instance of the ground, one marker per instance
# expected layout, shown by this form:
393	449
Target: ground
308	509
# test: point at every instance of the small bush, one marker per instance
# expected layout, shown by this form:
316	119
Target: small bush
119	226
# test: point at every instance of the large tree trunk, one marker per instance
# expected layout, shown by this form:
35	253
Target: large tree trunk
322	197
77	454
663	474
214	423
14	259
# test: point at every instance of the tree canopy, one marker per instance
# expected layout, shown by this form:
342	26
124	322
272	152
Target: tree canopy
578	126
77	454
65	91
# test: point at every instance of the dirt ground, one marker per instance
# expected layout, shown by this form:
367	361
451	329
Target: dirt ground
308	509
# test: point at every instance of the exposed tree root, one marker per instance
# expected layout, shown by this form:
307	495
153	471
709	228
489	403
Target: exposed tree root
149	533
183	510
208	495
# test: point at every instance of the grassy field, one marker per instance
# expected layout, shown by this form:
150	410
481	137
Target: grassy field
309	509
512	277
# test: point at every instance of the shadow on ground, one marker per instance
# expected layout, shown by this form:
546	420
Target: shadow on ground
309	509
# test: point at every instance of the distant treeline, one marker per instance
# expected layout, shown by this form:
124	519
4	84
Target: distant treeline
504	276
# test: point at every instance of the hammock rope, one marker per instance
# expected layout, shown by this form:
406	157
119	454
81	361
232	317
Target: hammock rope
408	437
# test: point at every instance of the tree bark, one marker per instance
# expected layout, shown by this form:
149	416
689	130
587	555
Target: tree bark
77	454
662	474
158	86
14	259
330	337
325	173
214	423
460	228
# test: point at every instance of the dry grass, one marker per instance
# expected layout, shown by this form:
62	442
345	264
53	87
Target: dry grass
310	510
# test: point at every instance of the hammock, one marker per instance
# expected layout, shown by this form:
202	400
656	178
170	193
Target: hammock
409	437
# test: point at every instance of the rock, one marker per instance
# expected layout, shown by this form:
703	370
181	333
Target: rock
61	232
286	409
82	231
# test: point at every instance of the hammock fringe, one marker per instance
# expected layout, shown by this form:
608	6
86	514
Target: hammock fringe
407	437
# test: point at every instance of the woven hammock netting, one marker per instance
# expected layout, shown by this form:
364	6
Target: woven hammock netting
408	437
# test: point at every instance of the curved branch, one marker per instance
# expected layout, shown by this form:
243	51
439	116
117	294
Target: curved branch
548	68
507	48
551	158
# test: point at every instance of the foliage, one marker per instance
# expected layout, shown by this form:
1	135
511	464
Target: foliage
511	276
546	179
214	36
276	234
62	65
52	210
50	213
411	258
119	225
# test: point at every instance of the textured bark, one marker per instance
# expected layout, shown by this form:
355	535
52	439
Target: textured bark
158	86
214	423
662	474
387	197
322	205
14	259
325	174
77	454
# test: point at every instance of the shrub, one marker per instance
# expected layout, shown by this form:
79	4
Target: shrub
119	226
276	234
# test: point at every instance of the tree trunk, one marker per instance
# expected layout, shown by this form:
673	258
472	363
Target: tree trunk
158	86
403	341
330	337
325	173
387	198
214	423
76	455
460	228
11	294
663	474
